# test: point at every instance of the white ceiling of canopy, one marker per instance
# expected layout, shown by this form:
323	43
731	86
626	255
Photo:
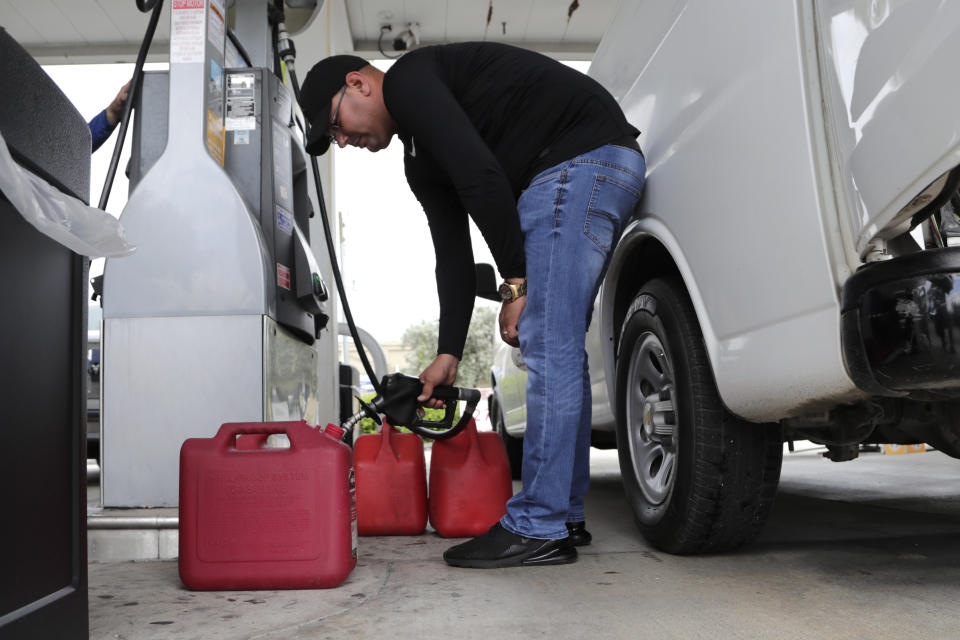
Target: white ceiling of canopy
110	30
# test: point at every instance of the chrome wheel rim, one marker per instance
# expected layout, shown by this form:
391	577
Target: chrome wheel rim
651	419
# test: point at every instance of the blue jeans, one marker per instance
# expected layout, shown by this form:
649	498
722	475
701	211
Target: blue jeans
571	216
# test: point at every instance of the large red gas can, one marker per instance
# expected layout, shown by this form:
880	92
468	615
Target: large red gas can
469	483
266	518
391	483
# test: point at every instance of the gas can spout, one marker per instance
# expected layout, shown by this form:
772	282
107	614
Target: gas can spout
366	411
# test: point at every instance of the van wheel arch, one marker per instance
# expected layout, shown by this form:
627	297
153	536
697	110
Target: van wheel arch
647	260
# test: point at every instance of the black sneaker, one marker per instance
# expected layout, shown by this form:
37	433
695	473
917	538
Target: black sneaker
500	548
579	536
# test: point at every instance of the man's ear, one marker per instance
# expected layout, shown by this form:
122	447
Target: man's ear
358	82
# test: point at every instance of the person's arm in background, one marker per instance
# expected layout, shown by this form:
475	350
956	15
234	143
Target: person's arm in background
106	121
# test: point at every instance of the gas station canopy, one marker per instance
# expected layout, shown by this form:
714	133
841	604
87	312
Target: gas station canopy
103	31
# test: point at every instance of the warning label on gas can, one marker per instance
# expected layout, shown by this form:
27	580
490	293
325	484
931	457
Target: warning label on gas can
354	535
283	276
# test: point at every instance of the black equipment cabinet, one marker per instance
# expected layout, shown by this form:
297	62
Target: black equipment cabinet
43	332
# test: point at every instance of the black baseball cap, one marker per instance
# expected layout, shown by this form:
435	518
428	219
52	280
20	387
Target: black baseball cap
323	81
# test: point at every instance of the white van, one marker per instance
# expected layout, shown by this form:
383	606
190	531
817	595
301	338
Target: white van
775	284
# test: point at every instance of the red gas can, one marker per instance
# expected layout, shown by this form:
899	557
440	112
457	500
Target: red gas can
391	483
469	483
266	518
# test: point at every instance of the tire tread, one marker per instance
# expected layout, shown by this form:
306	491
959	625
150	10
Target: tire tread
736	463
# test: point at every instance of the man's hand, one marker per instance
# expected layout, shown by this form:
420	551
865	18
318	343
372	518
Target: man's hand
509	317
443	371
115	109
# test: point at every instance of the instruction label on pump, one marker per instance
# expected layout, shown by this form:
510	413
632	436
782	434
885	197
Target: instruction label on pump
187	31
241	102
215	87
283	276
215	137
284	220
216	31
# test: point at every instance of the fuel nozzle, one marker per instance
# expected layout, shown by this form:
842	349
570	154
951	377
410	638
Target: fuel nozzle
398	403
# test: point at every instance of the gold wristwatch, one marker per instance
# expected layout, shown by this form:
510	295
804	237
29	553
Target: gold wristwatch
510	292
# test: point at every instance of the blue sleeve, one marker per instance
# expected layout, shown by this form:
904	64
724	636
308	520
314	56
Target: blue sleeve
100	130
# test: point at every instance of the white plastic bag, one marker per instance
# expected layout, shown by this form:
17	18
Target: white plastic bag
82	229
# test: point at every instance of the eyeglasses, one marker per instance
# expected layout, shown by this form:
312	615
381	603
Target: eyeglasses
335	125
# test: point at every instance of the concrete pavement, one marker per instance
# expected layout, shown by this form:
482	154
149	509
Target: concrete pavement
865	549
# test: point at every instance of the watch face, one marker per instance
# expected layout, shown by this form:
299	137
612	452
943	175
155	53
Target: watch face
505	292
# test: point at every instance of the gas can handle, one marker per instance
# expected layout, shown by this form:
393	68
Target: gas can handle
228	432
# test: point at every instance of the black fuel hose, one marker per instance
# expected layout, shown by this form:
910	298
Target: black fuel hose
240	49
135	83
331	249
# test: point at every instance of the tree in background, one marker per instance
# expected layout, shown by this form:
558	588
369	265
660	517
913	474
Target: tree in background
474	370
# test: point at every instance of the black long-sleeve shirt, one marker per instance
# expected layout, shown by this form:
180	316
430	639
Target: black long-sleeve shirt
478	121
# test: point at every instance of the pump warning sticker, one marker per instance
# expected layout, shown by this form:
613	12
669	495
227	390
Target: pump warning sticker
241	102
284	220
215	88
283	276
215	137
187	31
215	25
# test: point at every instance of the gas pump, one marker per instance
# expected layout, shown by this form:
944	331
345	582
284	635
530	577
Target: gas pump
223	313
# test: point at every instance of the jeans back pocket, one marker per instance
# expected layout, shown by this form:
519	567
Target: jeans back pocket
611	203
